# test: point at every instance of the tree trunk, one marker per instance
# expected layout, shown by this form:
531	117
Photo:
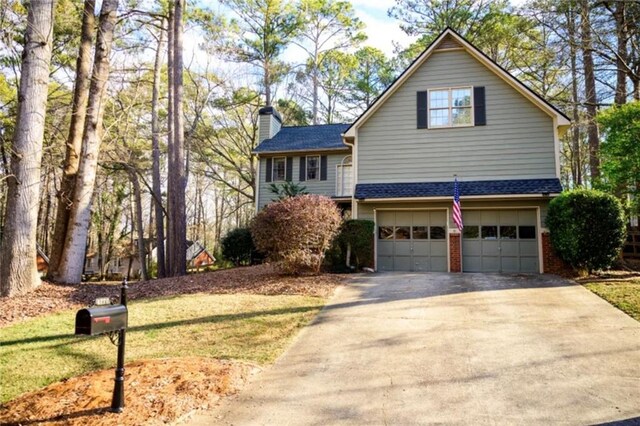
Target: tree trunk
177	234
18	271
622	57
137	195
590	93
155	142
170	136
72	259
576	157
74	138
267	84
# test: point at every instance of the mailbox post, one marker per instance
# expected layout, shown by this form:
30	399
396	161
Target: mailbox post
111	320
117	401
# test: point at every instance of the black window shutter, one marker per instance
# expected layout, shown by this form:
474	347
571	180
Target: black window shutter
303	169
269	169
479	109
422	110
289	175
323	167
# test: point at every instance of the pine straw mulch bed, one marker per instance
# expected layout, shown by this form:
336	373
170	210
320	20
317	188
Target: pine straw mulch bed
260	279
156	392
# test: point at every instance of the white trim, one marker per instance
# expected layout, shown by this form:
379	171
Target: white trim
257	194
556	146
450	107
508	78
355	207
449	246
539	225
375	240
462	197
340	182
306	168
273	168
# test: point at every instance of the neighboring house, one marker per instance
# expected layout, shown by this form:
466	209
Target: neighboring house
42	261
197	255
453	111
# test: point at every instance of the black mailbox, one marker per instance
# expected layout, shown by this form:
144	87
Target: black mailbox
101	319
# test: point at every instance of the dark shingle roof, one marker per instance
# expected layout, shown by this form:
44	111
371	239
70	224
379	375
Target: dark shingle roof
305	138
468	188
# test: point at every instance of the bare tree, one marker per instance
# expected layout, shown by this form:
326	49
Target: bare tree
18	272
74	139
73	254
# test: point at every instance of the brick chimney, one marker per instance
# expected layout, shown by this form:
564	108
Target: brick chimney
269	123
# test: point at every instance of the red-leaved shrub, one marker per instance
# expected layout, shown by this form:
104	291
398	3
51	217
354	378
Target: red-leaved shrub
296	232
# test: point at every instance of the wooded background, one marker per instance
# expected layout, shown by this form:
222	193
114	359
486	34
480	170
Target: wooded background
144	140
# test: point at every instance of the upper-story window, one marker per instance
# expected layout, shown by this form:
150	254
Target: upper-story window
451	107
313	167
279	168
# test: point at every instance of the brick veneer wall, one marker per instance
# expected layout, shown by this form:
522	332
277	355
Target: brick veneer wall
551	263
454	253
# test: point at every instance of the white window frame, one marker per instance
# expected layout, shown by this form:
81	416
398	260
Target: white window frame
450	107
306	170
346	161
274	178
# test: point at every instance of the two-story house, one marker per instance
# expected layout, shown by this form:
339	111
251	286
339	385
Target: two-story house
452	112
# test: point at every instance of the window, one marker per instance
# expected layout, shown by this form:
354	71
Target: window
403	233
279	168
438	233
450	107
489	232
527	232
507	232
420	233
313	167
470	232
385	232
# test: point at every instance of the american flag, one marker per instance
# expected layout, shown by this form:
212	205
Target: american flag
457	214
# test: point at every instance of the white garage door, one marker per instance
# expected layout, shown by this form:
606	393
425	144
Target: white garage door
412	241
500	241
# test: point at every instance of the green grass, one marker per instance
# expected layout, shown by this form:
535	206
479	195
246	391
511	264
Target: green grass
624	295
253	328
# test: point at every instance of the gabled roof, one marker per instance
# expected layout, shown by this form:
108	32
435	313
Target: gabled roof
468	188
561	119
325	137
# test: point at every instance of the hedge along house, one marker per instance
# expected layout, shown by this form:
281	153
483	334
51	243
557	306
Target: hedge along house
452	112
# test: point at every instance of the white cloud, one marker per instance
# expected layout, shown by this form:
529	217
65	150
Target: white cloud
383	30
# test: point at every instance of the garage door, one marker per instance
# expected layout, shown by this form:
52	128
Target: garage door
412	241
500	241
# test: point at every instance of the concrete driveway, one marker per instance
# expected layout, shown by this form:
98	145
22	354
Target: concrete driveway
402	348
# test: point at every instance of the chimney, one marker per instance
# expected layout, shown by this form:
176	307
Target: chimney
269	123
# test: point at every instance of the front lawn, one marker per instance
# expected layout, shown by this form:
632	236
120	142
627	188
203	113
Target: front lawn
246	327
624	295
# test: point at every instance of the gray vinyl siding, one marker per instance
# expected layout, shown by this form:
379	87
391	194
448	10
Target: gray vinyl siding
321	187
366	210
517	142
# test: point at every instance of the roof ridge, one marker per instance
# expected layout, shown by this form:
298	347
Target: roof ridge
316	125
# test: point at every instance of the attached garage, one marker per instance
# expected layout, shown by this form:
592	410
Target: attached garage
412	241
500	241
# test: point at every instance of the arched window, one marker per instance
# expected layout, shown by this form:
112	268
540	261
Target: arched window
344	177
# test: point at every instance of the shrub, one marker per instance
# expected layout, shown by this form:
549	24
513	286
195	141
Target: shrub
587	228
238	247
296	232
357	234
